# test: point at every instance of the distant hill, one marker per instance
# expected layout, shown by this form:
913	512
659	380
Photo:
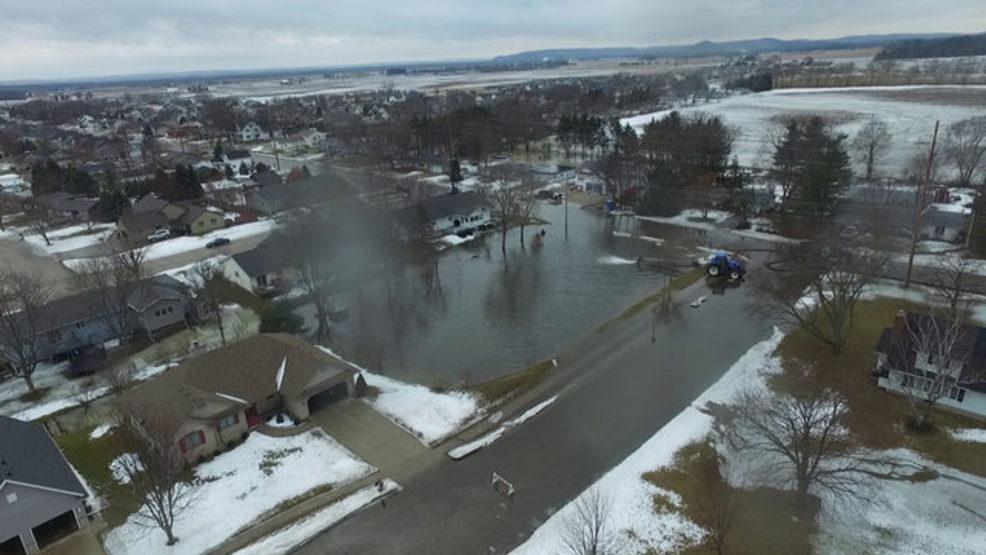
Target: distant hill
947	47
709	48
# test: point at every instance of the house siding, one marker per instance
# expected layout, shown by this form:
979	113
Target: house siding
206	222
973	403
234	273
162	314
472	219
33	507
75	336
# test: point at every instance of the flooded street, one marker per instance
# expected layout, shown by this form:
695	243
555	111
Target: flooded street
473	314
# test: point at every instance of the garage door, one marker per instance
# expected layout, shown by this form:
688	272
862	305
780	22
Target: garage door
55	529
327	397
13	546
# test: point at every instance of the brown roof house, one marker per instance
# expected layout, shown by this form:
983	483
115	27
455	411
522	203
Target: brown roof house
224	393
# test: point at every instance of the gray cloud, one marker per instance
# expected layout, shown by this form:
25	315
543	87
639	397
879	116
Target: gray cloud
52	39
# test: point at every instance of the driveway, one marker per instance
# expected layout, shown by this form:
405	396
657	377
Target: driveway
372	437
621	388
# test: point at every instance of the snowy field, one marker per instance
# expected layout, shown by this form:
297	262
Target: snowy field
298	533
427	415
236	491
187	243
63	392
68	238
910	123
633	526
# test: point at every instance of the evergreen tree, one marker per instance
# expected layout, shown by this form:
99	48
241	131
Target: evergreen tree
113	200
738	199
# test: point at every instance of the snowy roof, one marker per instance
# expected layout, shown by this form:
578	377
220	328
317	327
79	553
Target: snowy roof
29	455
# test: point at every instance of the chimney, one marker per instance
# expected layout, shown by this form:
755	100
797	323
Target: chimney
900	323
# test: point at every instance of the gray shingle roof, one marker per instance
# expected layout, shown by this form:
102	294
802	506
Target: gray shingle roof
446	205
29	455
270	255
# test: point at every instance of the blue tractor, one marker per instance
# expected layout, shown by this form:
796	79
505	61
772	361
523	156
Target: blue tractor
720	264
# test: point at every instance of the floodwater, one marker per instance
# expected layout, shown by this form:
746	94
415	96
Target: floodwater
471	314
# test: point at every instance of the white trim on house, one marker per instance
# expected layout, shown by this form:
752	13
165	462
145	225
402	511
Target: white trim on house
43	488
958	397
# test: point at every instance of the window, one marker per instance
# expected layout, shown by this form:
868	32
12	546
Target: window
80	325
229	421
192	440
171	309
956	393
262	280
940	230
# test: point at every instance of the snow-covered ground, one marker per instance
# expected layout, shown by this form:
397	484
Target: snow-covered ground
488	439
62	391
974	435
68	238
632	525
187	243
942	515
910	123
298	533
236	490
426	414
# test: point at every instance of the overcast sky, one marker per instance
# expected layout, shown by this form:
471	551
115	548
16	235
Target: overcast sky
53	39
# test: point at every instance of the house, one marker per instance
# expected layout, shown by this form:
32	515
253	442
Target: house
266	178
944	222
150	213
904	367
65	327
199	220
265	269
312	138
313	191
252	132
63	206
222	394
237	159
443	214
41	499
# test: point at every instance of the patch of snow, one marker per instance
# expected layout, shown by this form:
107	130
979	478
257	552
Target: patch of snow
236	492
649	239
69	238
296	534
453	240
119	465
622	234
56	404
280	373
101	430
973	435
614	260
488	439
286	421
633	526
232	398
426	414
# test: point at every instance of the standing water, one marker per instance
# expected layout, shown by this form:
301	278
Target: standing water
471	314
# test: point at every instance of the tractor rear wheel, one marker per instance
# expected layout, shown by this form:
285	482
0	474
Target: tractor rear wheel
713	270
734	275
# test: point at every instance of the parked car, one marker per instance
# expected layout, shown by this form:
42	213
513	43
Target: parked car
217	242
159	235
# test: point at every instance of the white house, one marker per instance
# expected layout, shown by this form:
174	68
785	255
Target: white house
905	367
445	214
252	132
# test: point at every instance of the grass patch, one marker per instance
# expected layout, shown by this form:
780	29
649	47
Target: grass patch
877	418
272	459
36	395
92	457
766	520
514	384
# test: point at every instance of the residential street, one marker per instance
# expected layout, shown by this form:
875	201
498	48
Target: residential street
621	389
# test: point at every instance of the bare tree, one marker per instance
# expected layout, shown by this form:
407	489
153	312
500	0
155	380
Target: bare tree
306	233
930	360
799	438
157	471
527	206
964	145
586	530
208	277
952	279
120	377
113	282
38	219
870	144
819	292
22	298
502	197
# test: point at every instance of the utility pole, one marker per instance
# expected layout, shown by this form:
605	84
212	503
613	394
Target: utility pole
566	214
919	215
270	125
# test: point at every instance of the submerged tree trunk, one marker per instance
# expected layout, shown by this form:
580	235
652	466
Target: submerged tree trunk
521	235
503	238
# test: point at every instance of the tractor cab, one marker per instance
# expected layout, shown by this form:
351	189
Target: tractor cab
720	264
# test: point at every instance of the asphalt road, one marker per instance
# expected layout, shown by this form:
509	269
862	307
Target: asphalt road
621	388
15	254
